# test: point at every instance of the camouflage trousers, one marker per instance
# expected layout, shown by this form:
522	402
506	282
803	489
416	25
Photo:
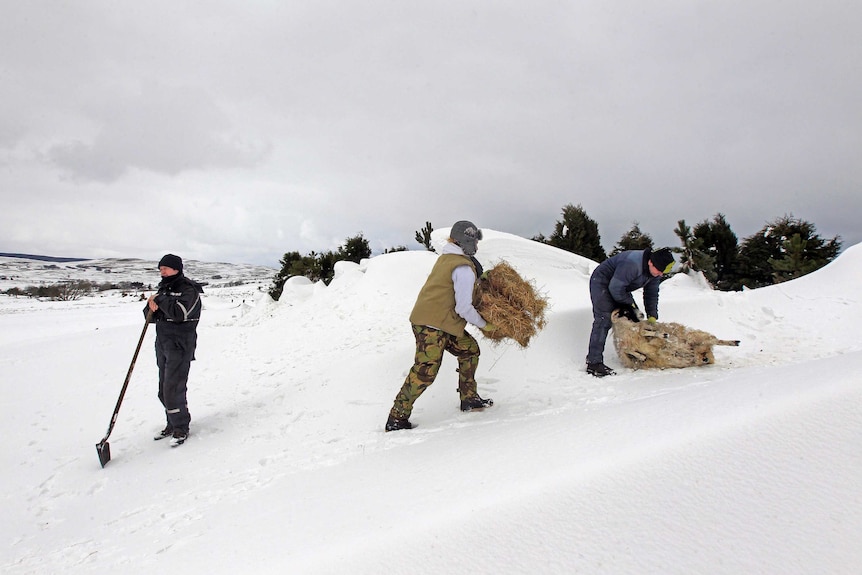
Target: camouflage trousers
430	345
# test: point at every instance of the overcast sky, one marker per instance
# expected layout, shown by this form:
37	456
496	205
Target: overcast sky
238	131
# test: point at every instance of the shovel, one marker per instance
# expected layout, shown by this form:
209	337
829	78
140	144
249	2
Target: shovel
103	447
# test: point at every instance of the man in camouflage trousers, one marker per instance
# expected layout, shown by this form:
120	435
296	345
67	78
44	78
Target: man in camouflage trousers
443	308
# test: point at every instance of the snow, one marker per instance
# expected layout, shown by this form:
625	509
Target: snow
751	465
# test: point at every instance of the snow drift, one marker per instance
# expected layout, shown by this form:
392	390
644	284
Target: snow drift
751	465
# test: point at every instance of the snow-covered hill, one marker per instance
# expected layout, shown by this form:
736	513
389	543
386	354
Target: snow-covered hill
751	465
22	272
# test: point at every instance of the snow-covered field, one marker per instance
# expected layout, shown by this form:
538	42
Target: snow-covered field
752	465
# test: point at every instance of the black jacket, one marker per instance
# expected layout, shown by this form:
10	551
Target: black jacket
179	303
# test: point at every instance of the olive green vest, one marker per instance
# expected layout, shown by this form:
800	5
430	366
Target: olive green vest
435	304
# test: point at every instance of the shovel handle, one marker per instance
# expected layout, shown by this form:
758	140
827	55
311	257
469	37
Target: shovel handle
128	377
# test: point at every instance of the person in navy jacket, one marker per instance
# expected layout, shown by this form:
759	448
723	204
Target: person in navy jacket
611	287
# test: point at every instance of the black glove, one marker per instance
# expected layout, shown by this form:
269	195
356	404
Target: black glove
630	312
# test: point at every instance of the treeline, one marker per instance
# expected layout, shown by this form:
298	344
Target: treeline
783	249
70	290
321	266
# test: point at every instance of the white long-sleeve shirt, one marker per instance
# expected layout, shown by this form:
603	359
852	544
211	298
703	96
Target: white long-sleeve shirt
464	279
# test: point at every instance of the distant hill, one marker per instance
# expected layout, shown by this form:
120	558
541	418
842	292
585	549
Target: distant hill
42	258
24	270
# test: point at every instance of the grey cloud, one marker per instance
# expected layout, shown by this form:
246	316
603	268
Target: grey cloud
161	128
342	117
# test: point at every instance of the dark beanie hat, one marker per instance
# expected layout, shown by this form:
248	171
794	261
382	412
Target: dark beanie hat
172	261
663	260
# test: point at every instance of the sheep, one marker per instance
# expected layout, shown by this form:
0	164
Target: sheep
662	345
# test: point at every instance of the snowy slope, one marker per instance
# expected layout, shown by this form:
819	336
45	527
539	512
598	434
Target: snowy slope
748	466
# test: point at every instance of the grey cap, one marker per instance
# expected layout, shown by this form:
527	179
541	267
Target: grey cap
466	235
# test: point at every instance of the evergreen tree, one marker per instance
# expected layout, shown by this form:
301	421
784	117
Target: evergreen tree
775	254
319	266
540	238
754	268
287	270
795	262
693	257
355	249
323	268
423	236
717	239
634	239
578	233
686	257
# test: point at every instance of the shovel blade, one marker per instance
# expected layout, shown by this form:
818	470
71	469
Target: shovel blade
104	450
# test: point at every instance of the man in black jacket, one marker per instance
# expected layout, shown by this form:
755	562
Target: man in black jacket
176	308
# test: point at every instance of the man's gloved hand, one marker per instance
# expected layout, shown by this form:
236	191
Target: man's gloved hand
489	328
651	319
631	312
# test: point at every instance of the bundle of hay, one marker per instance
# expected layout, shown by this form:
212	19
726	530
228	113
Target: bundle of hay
512	304
661	345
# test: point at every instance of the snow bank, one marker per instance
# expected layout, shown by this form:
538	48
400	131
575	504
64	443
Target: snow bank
748	466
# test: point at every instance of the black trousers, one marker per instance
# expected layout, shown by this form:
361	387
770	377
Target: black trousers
174	354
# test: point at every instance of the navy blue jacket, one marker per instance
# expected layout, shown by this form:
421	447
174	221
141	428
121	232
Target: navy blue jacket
626	272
